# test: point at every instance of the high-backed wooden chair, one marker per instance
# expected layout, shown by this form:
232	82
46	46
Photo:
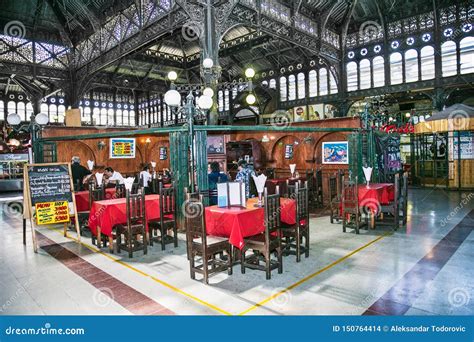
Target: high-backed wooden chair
391	211
310	179
134	232
350	205
291	188
167	220
318	184
293	234
267	242
120	191
199	244
335	198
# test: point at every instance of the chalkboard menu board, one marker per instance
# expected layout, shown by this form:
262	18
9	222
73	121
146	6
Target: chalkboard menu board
49	183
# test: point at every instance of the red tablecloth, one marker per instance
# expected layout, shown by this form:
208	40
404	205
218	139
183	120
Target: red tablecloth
82	198
237	223
106	214
375	195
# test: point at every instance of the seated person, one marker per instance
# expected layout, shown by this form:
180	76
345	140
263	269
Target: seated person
113	177
78	173
214	177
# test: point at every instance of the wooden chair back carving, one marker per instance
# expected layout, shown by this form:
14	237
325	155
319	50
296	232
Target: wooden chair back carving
167	201
135	208
272	213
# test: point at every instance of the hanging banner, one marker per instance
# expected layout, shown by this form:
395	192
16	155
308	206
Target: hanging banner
122	148
52	212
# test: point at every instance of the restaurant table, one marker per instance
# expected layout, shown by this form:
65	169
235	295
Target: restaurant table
373	196
281	182
239	223
82	198
104	215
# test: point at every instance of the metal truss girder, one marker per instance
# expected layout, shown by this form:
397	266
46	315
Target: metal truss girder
32	70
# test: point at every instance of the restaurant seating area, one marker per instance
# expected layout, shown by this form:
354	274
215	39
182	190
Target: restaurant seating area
273	157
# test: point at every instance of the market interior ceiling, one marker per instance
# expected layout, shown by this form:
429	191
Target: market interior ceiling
70	22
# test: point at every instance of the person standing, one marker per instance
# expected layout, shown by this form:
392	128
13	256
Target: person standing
214	177
244	175
78	173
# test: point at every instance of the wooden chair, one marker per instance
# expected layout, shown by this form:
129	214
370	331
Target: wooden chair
335	198
166	221
404	198
135	188
318	181
155	185
96	194
350	205
391	212
312	193
291	188
135	230
270	172
293	234
120	191
266	243
199	244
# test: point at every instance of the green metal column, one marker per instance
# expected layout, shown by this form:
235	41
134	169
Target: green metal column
200	151
355	156
179	158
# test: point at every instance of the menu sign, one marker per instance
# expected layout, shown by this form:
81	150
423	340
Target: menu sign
122	148
52	212
49	183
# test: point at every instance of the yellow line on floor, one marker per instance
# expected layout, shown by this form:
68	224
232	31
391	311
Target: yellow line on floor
171	287
305	279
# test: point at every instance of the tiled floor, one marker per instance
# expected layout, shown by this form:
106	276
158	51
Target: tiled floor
423	268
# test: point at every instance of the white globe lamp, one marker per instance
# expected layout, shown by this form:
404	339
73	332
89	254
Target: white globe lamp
42	119
172	76
13	119
205	102
173	98
251	99
208	92
208	63
249	73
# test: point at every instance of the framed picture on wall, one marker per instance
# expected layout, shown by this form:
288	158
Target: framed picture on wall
335	152
163	153
215	144
288	151
122	148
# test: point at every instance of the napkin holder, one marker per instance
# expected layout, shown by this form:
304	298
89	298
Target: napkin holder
231	194
90	165
367	174
292	170
260	185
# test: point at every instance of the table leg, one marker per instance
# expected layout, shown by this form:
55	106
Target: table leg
372	220
99	237
111	244
24	231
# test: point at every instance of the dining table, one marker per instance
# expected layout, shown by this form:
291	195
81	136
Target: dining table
372	196
237	223
271	184
82	198
106	214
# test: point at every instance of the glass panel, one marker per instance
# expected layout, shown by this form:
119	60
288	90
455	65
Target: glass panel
283	89
332	84
323	81
449	59
301	86
61	113
466	46
291	87
365	74
411	66
352	78
396	70
427	63
313	83
21	110
379	71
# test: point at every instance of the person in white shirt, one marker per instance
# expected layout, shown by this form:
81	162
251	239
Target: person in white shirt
145	176
114	176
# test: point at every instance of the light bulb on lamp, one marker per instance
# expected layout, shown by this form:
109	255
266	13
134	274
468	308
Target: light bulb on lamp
205	102
208	92
13	119
172	98
249	73
208	63
172	76
251	99
42	119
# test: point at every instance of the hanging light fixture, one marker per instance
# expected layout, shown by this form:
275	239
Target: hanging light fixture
208	63
251	99
208	92
172	76
205	102
249	73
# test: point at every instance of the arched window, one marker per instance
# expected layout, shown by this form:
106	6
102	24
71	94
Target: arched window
96	116
53	113
411	65
352	79
103	116
132	118
291	87
125	116
301	86
273	84
365	72
332	84
378	71
427	63
313	83
11	107
323	81
396	70
466	47
449	59
2	110
45	109
110	117
118	114
21	110
226	99
29	110
283	89
61	113
86	115
220	100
